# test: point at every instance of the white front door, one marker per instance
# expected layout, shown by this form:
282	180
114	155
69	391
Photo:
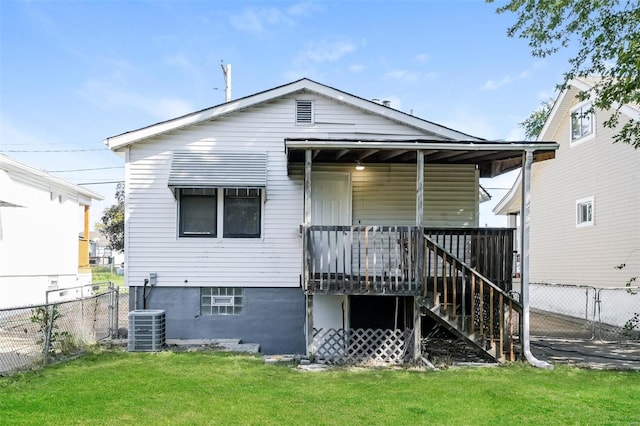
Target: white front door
331	205
330	198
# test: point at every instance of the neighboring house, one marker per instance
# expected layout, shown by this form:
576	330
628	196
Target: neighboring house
585	204
40	216
294	216
101	253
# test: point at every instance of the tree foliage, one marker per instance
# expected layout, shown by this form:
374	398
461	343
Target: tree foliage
605	35
535	122
112	225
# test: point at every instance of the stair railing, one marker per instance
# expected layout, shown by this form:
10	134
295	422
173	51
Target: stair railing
466	299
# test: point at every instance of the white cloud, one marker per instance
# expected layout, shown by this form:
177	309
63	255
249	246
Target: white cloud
410	76
516	134
304	9
355	68
472	123
258	21
508	79
422	57
496	84
109	95
328	51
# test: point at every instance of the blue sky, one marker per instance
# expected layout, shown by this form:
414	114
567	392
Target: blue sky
73	73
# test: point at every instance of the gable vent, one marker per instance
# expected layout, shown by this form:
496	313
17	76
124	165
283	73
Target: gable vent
304	112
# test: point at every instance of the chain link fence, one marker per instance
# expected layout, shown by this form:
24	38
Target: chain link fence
40	334
585	312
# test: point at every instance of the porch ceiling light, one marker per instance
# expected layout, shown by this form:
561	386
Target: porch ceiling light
359	166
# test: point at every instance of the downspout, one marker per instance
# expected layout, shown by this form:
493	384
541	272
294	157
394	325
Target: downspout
524	241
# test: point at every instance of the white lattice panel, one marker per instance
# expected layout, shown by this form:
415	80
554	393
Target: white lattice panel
361	345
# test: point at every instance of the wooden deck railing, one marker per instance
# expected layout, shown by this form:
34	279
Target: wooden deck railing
362	259
487	250
384	259
469	302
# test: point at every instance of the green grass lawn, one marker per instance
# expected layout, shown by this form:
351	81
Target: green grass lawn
217	388
100	275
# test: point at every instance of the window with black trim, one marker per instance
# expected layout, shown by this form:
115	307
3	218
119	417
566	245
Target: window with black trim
198	212
241	213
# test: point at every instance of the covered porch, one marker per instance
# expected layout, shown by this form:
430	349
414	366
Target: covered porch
460	275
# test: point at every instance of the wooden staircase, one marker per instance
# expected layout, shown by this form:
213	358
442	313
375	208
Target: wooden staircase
468	304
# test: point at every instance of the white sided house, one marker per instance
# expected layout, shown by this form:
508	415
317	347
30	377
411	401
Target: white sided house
585	204
40	216
310	220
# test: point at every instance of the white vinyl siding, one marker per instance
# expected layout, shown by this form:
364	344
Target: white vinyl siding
274	259
385	194
561	252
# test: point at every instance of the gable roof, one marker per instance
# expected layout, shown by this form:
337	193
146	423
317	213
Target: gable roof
31	174
575	86
510	203
303	85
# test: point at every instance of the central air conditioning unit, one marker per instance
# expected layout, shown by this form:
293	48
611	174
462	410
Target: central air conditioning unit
146	330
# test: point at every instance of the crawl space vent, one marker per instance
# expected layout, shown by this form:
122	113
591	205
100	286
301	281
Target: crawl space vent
146	330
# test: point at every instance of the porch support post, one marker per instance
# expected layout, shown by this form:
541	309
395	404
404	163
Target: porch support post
417	329
307	187
524	259
308	155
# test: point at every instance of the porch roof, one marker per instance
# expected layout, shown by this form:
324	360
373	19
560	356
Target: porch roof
492	157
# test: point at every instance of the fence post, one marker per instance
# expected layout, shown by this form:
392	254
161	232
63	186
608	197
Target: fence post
116	312
48	330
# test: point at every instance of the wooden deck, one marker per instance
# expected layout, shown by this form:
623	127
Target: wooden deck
396	259
459	277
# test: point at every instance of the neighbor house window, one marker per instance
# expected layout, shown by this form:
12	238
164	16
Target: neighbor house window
304	112
581	122
241	212
221	300
584	212
197	212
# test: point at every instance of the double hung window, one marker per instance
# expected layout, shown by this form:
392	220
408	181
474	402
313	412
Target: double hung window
200	210
241	212
581	122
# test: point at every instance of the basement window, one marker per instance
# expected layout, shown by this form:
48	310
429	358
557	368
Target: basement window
304	112
221	301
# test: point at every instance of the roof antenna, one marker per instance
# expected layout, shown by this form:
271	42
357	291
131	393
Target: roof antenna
227	80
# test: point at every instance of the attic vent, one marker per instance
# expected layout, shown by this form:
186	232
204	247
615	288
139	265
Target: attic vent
146	330
304	112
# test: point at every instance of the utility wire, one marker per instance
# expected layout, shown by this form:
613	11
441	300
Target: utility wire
54	150
100	182
47	144
84	170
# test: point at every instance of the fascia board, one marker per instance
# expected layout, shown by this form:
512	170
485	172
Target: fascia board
11	165
502	208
